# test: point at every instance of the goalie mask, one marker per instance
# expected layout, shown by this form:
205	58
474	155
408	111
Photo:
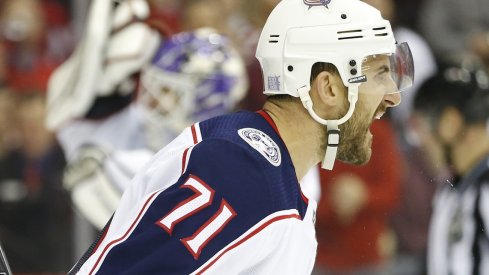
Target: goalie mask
192	77
345	33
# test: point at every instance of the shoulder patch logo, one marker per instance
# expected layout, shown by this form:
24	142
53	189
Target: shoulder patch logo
263	144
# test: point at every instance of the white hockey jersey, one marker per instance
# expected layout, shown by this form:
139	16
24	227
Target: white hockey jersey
222	198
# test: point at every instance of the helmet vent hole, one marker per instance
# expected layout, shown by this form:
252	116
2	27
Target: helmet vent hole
382	33
349	31
349	34
343	16
350	37
274	38
290	68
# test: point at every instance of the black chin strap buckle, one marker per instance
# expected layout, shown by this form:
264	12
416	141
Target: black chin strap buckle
333	138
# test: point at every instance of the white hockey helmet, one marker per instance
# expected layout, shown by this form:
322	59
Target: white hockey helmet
300	33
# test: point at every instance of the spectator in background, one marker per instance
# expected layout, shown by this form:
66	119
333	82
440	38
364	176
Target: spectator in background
35	38
352	217
35	218
453	114
458	31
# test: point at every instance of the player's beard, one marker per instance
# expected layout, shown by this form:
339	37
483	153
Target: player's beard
355	138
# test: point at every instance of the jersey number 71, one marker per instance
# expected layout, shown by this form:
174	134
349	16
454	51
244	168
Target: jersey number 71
202	198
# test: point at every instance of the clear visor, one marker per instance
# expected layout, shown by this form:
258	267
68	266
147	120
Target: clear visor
388	73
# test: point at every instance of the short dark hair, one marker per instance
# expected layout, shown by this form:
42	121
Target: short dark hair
319	67
464	90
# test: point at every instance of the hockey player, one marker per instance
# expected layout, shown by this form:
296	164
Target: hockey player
106	134
193	76
223	197
454	126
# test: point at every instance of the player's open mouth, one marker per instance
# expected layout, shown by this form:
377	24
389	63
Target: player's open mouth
379	115
379	112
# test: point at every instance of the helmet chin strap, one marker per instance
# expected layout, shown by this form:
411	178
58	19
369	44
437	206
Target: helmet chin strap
332	126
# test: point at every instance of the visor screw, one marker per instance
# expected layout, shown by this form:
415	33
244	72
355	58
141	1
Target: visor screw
353	63
353	71
343	16
290	68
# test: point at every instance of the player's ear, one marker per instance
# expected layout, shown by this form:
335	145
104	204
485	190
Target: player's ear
331	90
450	125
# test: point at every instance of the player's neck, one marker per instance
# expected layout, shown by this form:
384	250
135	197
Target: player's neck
301	134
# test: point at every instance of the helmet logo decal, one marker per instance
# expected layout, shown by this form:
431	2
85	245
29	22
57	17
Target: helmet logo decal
274	83
358	79
314	3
